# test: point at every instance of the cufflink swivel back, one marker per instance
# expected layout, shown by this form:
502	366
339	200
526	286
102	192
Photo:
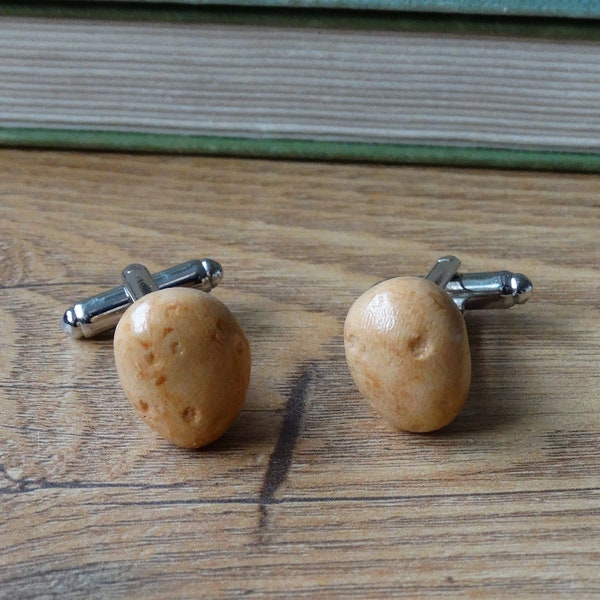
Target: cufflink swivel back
100	313
406	341
182	358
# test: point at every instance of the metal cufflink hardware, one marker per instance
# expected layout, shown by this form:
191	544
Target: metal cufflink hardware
182	358
406	341
496	289
102	312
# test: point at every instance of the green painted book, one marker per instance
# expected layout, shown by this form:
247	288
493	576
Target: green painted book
332	84
574	9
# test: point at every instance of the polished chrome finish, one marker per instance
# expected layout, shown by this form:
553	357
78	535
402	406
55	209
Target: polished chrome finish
472	291
500	289
137	281
102	312
445	268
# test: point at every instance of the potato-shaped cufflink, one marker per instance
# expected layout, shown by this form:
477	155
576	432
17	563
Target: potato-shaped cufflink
182	358
406	341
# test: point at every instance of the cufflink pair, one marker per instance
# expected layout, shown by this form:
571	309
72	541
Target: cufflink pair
184	361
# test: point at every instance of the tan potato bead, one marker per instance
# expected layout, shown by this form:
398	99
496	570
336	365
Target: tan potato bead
184	363
407	350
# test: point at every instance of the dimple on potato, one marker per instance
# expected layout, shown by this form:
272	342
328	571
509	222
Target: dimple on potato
407	350
184	363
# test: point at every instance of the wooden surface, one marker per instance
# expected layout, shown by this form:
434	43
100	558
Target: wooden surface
309	495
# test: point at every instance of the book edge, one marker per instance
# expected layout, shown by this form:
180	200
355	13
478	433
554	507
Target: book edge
562	9
453	156
315	17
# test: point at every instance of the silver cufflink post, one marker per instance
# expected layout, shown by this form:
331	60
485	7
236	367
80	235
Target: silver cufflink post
471	291
102	312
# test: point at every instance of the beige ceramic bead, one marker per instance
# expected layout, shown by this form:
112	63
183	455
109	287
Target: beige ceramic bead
184	363
407	350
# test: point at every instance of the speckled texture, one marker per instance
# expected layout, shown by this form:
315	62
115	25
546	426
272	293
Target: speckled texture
407	350
184	363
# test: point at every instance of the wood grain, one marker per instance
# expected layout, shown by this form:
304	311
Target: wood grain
309	495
